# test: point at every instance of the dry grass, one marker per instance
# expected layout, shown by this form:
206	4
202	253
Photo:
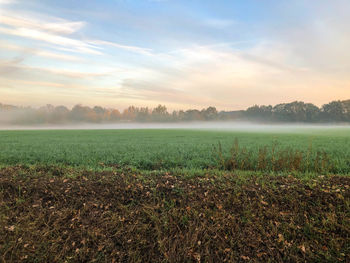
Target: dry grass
273	159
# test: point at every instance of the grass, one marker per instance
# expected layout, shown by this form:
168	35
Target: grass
163	149
135	216
273	159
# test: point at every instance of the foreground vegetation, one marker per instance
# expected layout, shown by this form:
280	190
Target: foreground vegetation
52	214
324	150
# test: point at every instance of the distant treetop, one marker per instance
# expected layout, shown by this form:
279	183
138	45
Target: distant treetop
297	111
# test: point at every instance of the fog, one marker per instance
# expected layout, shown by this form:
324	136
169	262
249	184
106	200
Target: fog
214	126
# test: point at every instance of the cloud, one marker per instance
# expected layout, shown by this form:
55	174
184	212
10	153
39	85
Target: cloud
38	52
57	31
140	50
49	24
139	86
35	84
15	69
52	30
73	44
10	66
230	78
7	2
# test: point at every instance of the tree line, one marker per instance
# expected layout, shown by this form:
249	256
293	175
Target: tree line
297	111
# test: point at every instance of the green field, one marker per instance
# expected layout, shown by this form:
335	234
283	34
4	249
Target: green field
162	149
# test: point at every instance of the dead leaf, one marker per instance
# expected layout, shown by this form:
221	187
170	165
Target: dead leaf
259	255
11	228
280	238
283	213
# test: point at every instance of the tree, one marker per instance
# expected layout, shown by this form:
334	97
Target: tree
115	115
81	113
312	112
193	115
296	111
210	113
143	114
99	114
333	111
259	112
160	113
129	113
60	114
346	109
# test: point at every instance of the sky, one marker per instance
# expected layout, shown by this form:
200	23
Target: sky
182	53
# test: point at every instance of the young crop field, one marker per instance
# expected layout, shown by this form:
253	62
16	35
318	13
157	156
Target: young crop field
175	195
168	149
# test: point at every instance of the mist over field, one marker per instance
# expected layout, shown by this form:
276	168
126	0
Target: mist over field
214	125
334	112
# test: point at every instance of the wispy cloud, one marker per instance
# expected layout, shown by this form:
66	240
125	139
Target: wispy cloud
217	74
51	24
51	30
7	2
57	32
34	83
22	70
76	45
38	52
140	50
